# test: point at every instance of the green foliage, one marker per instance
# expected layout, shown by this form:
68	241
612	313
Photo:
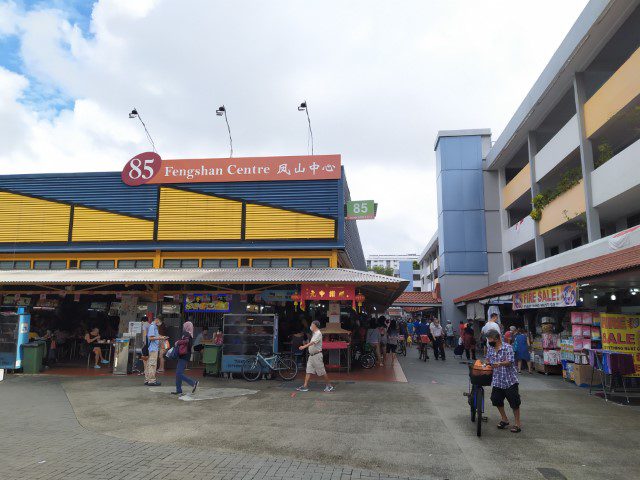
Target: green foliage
382	270
416	265
605	152
568	180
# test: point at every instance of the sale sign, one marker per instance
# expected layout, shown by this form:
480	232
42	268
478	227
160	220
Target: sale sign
546	297
621	333
148	167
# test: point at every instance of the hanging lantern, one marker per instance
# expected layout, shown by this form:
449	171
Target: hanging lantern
296	299
360	298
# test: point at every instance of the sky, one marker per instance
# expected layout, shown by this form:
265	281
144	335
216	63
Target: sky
380	79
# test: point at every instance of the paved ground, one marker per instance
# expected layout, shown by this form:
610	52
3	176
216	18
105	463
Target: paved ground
420	429
41	439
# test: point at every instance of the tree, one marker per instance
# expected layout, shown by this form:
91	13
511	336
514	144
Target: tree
416	265
382	270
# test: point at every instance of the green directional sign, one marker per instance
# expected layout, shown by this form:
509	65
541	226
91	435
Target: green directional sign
361	210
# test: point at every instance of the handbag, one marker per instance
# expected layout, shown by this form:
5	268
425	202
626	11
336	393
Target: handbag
145	349
183	347
172	354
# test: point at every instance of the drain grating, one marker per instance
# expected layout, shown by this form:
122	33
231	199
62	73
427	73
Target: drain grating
551	474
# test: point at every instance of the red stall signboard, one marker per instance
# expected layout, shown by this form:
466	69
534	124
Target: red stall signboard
330	293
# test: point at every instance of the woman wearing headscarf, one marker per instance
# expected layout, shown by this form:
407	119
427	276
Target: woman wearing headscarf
184	346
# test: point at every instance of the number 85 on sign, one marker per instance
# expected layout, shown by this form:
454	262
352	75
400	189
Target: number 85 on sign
361	210
141	168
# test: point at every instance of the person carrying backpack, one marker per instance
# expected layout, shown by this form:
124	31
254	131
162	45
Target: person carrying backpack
183	347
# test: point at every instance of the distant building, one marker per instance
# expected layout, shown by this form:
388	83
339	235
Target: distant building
402	267
392	261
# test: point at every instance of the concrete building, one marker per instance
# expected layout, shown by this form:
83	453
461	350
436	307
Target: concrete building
561	183
465	253
389	261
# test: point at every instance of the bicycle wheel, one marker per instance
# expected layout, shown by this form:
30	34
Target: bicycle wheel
367	360
251	370
472	403
479	401
287	369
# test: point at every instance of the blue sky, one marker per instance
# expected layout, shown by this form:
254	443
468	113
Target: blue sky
44	98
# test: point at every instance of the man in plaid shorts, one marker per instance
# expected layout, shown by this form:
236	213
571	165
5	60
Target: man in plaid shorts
505	379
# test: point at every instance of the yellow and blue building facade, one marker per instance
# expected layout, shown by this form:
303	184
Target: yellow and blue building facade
94	220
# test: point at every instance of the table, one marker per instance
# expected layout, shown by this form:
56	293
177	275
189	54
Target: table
615	364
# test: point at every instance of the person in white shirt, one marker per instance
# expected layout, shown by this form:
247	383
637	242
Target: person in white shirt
315	362
437	332
492	325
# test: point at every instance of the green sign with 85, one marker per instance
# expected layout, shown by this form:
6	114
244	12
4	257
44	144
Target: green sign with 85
361	210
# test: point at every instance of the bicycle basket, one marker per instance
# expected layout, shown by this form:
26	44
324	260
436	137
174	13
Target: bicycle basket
480	376
425	339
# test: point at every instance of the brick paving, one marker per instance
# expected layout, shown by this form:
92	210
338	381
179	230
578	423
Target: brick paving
40	438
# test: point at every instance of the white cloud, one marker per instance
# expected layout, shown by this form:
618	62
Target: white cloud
380	77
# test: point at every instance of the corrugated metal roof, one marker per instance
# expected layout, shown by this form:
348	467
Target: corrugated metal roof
200	275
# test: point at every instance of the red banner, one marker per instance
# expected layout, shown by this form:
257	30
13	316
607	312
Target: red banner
147	167
330	293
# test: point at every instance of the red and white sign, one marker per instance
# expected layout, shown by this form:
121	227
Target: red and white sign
147	167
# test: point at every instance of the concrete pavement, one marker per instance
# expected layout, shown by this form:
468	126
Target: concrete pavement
420	429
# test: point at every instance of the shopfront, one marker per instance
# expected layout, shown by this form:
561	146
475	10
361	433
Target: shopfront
590	314
97	250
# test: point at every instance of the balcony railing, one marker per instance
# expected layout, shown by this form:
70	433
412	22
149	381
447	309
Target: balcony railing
519	234
518	186
617	92
558	148
563	208
619	175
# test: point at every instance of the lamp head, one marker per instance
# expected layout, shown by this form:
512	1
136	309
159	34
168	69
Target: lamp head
133	114
220	111
302	107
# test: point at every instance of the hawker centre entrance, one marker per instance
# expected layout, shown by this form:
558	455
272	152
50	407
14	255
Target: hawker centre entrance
109	251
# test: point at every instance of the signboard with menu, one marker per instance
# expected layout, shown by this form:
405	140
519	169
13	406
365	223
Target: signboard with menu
206	302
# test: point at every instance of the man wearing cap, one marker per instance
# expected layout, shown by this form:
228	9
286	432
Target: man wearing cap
315	362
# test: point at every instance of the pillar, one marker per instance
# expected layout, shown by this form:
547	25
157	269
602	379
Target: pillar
586	160
535	190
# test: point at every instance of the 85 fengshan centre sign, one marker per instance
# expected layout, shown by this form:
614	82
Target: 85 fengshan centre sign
148	167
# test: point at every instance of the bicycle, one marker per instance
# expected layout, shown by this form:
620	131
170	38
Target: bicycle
286	368
402	346
423	343
365	356
476	397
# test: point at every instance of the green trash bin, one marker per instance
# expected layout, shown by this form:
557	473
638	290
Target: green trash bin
32	354
211	359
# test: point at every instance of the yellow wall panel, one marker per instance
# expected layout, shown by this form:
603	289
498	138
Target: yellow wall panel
518	186
26	219
617	92
95	225
564	208
265	223
194	216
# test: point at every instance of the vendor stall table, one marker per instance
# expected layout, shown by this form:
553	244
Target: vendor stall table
615	364
340	347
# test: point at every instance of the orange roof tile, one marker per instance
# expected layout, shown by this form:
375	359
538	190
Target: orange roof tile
595	267
417	298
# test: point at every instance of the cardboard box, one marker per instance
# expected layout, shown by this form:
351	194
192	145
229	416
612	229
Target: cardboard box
582	376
